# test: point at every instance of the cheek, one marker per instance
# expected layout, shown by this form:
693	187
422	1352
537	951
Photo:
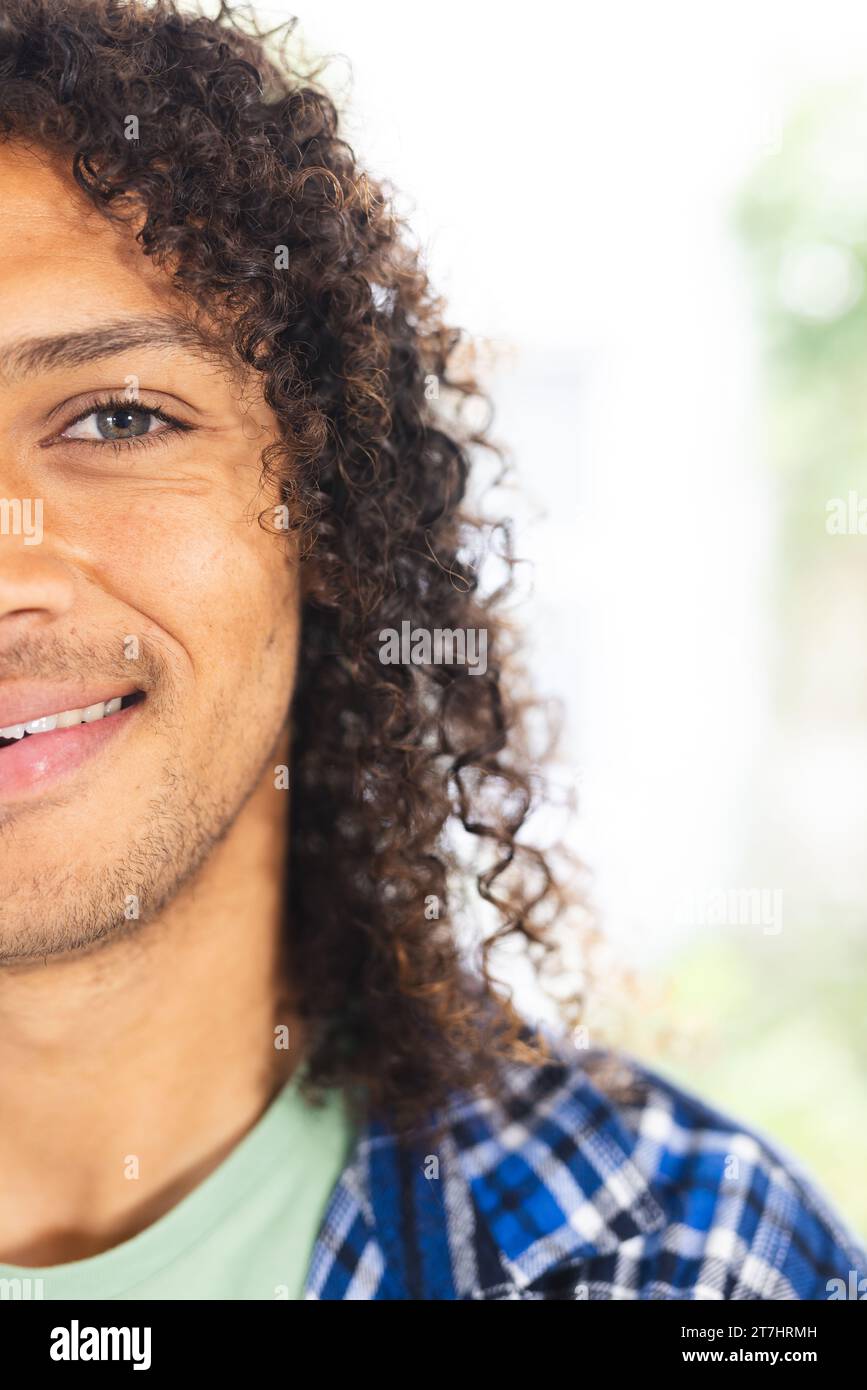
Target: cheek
216	586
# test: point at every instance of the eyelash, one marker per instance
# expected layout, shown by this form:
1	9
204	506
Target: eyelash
121	445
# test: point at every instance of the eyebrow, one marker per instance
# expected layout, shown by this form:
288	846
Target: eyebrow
26	356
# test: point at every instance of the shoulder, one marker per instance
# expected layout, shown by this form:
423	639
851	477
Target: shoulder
587	1176
643	1190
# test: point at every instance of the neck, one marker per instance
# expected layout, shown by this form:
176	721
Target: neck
158	1048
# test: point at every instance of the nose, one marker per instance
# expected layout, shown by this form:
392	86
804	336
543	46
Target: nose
35	590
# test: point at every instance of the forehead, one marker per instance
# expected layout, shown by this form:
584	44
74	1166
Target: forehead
61	262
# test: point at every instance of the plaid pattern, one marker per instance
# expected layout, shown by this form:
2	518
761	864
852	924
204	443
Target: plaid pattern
554	1190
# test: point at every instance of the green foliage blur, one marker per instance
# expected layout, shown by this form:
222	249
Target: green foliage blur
774	1028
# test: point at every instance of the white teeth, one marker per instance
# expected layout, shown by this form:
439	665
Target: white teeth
41	726
67	720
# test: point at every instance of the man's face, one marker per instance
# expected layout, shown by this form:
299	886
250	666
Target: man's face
132	567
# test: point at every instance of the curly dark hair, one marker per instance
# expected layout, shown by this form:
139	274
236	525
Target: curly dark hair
256	206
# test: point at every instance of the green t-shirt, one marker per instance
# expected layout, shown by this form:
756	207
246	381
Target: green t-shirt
247	1231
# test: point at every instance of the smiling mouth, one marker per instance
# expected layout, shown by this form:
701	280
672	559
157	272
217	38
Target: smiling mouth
67	719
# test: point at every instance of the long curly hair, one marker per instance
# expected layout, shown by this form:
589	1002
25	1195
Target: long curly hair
409	782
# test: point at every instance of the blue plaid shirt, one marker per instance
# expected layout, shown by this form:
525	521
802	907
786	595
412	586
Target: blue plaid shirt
556	1190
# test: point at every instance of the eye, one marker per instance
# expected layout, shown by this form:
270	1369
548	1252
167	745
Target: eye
119	422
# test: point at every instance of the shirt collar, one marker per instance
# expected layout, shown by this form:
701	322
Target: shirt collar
542	1176
556	1182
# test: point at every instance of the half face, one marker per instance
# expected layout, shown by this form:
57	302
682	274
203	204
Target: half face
148	624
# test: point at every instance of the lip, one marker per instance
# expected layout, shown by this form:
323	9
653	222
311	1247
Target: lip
20	703
35	763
